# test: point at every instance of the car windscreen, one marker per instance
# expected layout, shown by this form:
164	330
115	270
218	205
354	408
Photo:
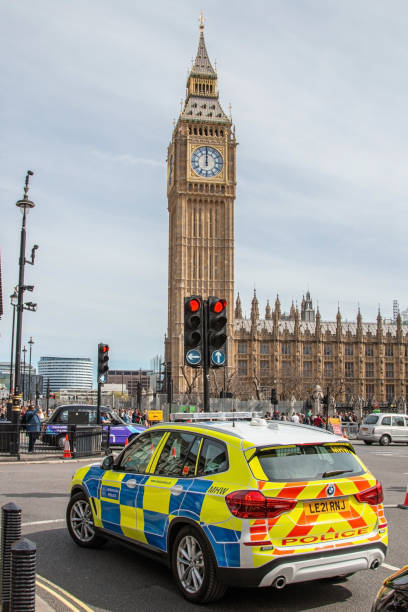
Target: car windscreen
308	462
371	419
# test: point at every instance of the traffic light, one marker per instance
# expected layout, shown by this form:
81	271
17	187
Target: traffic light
103	362
193	331
274	397
217	332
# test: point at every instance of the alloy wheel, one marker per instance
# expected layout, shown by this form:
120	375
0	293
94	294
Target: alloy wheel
81	520
190	564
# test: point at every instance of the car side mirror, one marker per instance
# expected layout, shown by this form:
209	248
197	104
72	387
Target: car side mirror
107	462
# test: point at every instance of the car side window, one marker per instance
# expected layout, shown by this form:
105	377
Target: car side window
137	456
62	417
213	458
398	421
386	421
176	458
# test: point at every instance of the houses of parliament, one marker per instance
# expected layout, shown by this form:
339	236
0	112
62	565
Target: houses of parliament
292	352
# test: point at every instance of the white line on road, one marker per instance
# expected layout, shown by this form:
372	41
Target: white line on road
390	567
42	522
390	505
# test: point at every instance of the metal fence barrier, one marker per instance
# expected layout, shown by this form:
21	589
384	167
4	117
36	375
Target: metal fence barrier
350	430
84	440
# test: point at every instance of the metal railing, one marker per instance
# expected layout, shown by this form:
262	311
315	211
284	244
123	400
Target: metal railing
84	441
350	430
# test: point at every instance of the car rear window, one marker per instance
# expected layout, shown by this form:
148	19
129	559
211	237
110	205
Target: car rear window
371	419
308	462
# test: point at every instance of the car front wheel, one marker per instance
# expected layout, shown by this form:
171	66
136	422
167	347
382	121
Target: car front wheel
194	567
80	522
385	440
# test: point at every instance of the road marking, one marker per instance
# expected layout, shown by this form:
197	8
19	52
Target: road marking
390	505
390	567
42	522
56	591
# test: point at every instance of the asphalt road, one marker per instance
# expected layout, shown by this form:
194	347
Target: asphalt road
115	578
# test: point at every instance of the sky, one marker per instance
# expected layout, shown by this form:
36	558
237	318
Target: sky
90	91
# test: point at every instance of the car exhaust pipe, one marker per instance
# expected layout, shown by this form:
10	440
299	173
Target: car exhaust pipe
374	564
279	582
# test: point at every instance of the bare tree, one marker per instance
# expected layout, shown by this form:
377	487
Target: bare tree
191	384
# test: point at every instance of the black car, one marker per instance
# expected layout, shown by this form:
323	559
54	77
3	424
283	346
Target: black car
56	427
393	595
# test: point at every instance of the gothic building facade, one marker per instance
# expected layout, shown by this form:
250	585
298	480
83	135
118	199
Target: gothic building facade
357	361
292	352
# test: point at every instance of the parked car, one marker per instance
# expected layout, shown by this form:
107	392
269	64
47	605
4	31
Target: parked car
393	595
253	504
384	428
56	426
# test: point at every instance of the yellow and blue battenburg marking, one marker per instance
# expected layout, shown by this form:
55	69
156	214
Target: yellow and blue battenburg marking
144	512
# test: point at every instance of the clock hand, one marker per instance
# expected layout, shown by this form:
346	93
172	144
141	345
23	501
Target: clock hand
206	156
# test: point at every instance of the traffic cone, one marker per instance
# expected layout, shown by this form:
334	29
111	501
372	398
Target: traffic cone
126	441
67	449
173	452
404	506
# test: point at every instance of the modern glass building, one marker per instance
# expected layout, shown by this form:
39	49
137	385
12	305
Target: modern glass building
66	372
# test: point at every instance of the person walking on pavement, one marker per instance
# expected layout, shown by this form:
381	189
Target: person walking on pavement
33	426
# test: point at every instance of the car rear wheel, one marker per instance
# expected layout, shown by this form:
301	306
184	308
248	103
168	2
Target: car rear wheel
194	567
385	440
80	522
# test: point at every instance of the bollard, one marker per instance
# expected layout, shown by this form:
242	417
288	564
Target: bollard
10	532
23	562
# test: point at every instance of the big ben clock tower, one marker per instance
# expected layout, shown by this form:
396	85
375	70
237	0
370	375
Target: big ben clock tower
201	192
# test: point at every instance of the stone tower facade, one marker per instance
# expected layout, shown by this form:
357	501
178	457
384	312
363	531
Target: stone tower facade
201	183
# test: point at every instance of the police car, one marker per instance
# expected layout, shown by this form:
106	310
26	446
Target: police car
230	502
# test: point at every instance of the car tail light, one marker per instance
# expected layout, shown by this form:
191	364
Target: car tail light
372	496
253	504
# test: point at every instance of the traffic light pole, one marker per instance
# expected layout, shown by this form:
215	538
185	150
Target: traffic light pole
98	407
206	364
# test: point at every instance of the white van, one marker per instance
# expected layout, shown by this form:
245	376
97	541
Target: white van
384	428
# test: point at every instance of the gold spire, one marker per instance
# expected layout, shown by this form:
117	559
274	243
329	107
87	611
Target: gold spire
202	21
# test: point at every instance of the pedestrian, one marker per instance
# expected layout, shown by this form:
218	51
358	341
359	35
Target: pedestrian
33	426
295	418
318	421
41	415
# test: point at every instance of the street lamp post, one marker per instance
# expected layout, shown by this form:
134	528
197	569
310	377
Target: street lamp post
24	373
30	342
25	206
13	302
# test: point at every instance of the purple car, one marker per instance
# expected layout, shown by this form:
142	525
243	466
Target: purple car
56	426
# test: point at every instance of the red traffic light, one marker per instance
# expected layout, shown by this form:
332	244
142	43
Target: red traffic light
194	305
219	306
105	348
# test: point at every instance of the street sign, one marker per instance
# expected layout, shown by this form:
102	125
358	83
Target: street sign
155	415
193	357
218	357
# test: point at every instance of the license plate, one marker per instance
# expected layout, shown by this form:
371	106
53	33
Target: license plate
326	505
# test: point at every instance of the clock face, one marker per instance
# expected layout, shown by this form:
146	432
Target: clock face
206	161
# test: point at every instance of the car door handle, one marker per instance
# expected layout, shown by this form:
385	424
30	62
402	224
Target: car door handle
177	489
132	483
